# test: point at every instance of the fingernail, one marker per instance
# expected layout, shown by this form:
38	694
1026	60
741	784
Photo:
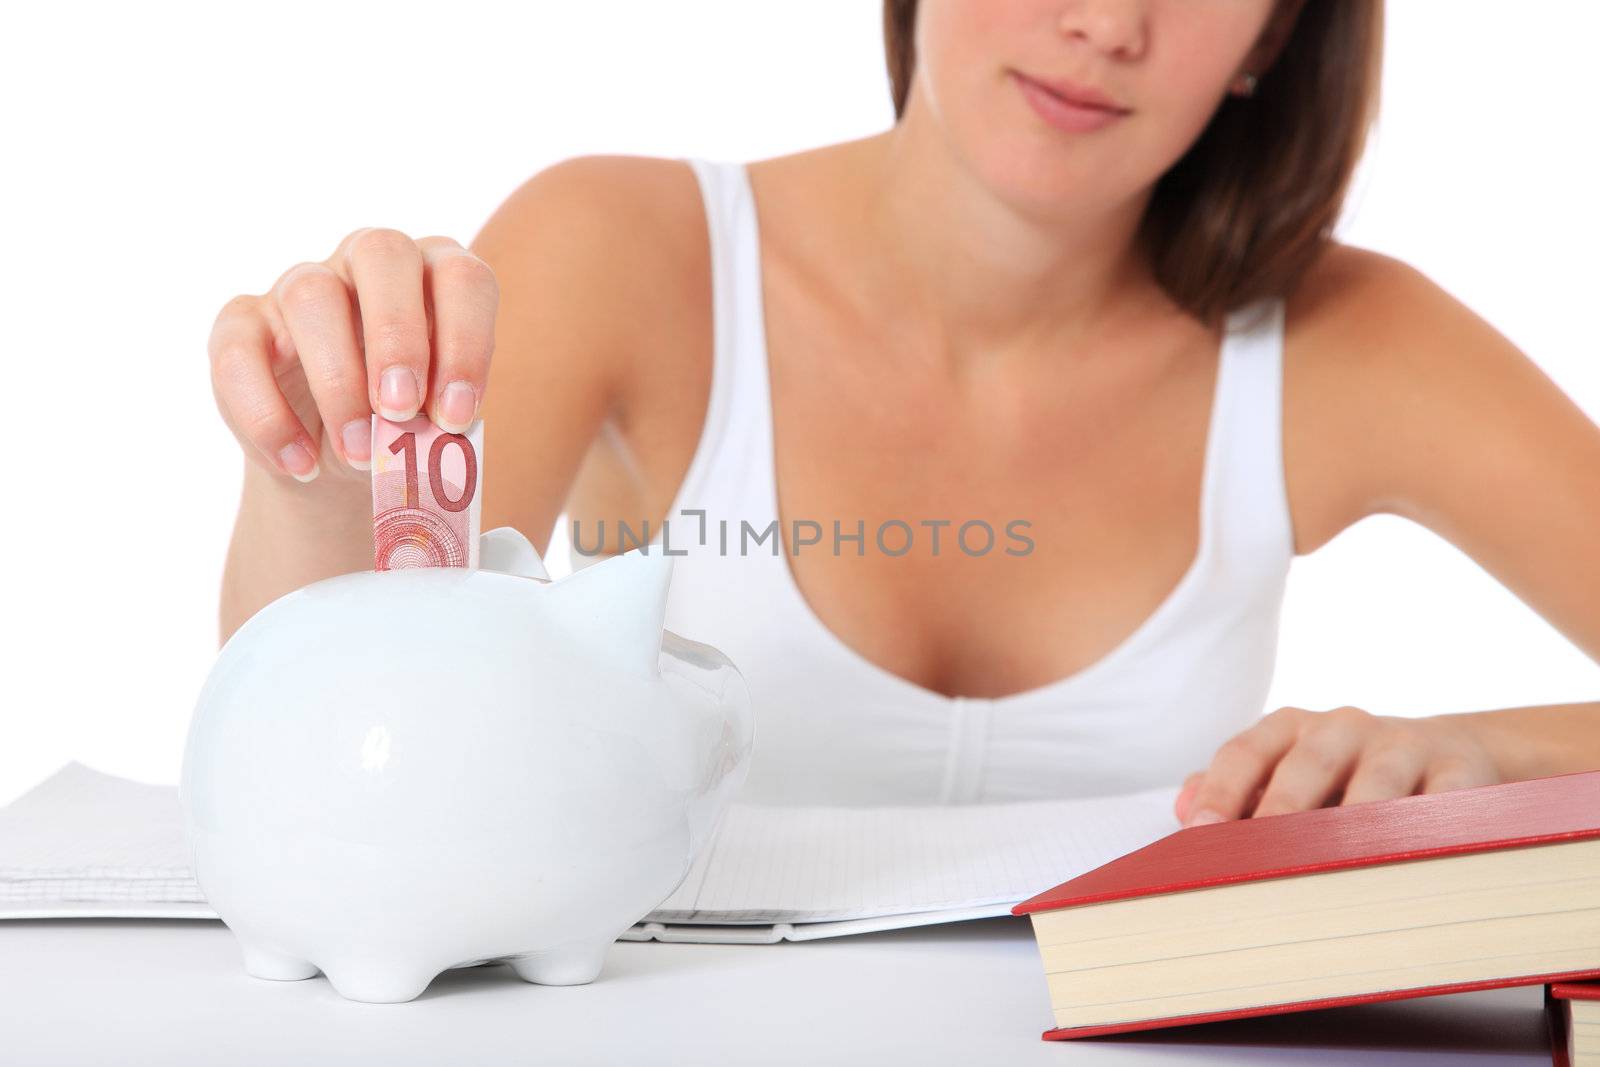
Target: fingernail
357	439
397	394
458	403
298	461
1201	818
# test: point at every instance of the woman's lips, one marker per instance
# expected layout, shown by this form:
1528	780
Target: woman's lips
1075	109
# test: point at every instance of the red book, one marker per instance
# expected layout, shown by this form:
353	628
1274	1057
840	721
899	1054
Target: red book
1573	1009
1439	893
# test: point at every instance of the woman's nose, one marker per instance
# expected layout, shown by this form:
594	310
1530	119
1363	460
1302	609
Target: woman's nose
1114	27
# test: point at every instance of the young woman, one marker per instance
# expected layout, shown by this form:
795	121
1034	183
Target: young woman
1080	296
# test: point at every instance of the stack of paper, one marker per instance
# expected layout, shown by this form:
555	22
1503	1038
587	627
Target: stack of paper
86	843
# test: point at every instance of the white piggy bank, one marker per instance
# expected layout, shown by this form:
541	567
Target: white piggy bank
392	774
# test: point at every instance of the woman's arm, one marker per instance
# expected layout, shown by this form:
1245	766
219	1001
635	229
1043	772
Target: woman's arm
294	365
1438	418
1536	741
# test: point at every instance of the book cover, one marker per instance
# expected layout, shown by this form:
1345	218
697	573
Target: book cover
1509	815
1559	1014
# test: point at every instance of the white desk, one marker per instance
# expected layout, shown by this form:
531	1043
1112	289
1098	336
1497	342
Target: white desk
173	992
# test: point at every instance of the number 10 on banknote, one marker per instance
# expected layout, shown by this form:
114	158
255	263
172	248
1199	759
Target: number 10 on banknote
426	491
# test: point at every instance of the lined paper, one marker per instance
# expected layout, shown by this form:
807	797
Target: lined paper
816	864
82	837
90	844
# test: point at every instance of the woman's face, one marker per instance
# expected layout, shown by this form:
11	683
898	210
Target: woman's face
1067	106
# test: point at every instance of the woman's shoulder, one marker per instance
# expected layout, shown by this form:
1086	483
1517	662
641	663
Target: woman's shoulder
1359	321
634	223
626	190
609	249
1382	368
1349	295
604	319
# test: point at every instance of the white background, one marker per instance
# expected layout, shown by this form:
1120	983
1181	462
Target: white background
162	158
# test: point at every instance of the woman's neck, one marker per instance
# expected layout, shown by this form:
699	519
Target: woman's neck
984	278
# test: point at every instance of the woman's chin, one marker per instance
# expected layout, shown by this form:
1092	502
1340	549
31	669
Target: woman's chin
1047	186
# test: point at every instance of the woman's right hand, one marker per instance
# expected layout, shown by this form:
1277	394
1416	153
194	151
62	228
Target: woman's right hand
384	324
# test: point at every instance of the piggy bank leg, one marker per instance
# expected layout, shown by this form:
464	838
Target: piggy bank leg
380	981
275	966
572	964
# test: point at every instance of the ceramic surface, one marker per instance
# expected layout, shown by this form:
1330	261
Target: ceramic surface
390	774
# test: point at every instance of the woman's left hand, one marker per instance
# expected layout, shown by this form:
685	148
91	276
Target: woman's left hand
1294	760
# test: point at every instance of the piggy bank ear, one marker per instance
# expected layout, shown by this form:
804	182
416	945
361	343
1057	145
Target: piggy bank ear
617	606
505	550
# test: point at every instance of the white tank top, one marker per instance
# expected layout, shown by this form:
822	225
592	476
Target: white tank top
831	727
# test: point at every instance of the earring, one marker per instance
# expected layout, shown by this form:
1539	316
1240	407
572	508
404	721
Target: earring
1245	84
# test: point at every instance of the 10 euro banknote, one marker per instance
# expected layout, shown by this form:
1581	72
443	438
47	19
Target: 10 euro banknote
427	488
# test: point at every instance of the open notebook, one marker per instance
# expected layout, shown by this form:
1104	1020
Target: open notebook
83	843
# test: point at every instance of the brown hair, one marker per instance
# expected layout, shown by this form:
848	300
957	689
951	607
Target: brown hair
1244	212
